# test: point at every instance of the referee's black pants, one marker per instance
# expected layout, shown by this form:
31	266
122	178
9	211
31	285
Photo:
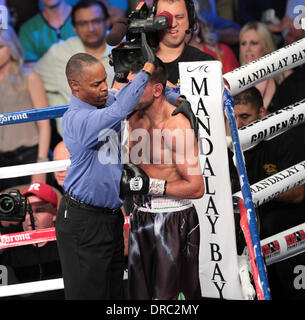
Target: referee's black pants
91	249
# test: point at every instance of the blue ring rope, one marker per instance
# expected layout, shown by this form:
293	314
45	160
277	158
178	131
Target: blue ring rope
228	103
32	115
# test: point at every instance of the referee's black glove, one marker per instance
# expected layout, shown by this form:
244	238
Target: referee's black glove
147	51
185	108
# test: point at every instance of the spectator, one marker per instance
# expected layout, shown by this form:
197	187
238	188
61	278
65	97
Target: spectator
51	25
36	261
60	153
89	21
116	8
255	42
287	209
207	41
172	41
25	142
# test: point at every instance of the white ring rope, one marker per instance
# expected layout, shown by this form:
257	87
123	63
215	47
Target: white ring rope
270	126
33	168
31	287
267	189
266	67
284	245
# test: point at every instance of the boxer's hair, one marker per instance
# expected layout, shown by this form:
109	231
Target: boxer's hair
76	64
160	75
252	96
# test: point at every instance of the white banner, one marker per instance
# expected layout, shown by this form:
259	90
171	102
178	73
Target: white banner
202	84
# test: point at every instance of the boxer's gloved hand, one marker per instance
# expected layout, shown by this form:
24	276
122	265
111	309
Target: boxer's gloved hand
135	181
147	51
185	108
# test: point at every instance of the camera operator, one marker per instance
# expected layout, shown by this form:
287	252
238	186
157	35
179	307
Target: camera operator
172	47
38	261
169	25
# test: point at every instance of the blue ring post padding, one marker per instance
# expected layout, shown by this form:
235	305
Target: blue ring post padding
246	192
32	115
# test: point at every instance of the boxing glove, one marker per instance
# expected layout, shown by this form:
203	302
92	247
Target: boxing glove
135	181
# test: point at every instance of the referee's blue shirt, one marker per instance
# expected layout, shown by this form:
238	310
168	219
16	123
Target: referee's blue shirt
92	177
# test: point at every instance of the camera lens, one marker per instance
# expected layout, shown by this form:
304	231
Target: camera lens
132	57
7	204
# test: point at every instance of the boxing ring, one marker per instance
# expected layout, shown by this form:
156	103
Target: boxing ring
260	252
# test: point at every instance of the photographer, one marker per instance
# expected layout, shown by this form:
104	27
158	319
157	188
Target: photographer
38	261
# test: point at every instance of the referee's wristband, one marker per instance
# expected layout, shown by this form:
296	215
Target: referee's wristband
149	74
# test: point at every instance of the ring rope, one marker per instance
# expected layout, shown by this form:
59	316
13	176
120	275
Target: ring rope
265	190
266	67
31	287
33	168
32	115
284	245
27	237
35	236
270	126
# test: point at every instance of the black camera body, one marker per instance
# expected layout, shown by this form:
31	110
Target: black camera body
129	52
13	206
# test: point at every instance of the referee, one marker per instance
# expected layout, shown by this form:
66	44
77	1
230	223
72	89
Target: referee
89	225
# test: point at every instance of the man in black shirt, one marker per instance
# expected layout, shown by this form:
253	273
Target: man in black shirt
284	211
172	41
